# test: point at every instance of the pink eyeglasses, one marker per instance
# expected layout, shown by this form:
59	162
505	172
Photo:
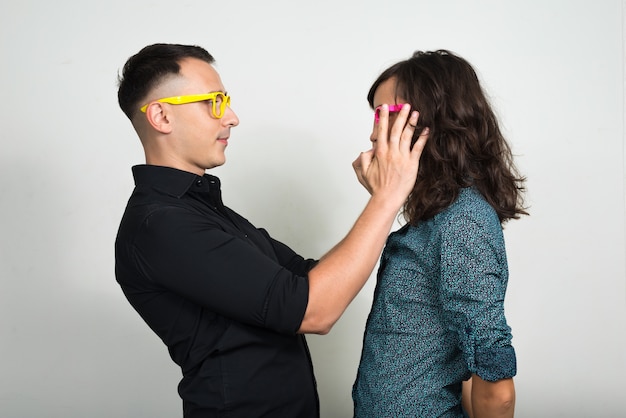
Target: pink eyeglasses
392	109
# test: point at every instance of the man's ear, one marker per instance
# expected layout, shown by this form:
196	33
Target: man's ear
159	118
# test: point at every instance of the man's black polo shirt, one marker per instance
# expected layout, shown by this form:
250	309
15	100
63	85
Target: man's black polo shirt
225	297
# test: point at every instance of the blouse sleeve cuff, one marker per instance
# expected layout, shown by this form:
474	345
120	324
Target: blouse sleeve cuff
495	363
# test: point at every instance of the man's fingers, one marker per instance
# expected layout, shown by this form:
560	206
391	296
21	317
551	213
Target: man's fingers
363	161
419	145
361	165
399	126
409	129
400	132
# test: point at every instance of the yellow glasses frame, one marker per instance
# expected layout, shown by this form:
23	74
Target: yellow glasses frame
193	98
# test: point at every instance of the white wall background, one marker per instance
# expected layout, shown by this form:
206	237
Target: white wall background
70	344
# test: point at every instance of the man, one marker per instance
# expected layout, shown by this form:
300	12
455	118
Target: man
231	303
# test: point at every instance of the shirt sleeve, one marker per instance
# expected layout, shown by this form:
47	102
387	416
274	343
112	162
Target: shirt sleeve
290	259
474	277
192	256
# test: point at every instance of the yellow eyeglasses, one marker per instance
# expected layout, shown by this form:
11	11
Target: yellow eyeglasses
217	99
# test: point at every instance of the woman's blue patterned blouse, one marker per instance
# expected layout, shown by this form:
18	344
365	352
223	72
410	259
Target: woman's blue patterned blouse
437	315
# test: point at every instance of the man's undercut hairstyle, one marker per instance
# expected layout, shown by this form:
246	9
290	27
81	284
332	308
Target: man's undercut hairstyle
149	67
465	147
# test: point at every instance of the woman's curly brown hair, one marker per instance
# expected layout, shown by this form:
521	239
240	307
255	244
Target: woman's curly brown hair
465	146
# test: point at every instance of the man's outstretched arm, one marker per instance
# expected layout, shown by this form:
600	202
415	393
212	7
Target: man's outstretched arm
388	172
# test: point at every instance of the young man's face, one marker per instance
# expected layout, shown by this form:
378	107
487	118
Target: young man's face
200	138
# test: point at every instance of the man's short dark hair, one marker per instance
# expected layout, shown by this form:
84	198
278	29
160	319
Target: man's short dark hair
147	68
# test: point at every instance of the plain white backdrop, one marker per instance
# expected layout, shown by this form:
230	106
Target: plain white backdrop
298	72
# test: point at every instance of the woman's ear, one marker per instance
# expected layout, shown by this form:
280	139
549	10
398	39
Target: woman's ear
159	118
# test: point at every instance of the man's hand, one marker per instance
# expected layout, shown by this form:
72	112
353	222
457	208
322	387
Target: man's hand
389	170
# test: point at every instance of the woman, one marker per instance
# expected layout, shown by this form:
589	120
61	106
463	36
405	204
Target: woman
437	318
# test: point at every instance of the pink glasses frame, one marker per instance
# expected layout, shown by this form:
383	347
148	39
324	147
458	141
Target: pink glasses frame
392	109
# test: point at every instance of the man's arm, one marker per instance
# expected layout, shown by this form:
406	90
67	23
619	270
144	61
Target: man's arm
492	399
388	173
